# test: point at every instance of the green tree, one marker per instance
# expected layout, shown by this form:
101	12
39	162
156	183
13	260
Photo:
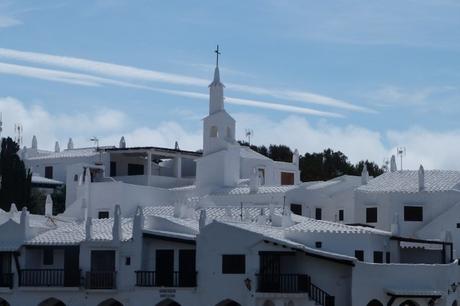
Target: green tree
16	181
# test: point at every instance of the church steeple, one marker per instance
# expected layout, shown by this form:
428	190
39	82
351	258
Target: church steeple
216	89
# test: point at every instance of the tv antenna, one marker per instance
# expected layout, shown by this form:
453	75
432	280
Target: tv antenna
96	141
401	151
18	129
249	133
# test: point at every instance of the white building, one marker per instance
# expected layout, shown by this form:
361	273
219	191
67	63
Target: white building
145	226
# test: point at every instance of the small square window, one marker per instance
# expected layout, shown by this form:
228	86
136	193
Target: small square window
378	257
371	215
127	261
233	264
318	244
458	225
103	214
296	209
340	214
318	214
48	257
359	254
413	213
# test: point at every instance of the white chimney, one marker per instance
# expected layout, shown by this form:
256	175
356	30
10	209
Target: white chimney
138	223
34	142
48	206
70	144
295	157
421	178
254	181
88	228
393	167
261	218
364	175
57	148
202	220
116	230
122	143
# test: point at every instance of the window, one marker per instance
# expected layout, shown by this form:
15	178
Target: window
371	215
296	209
359	254
49	172
213	132
113	168
48	256
287	178
318	213
387	257
413	213
458	225
135	169
261	175
340	214
103	214
378	257
75	178
233	264
128	261
318	244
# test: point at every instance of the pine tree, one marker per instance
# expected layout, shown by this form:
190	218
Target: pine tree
15	180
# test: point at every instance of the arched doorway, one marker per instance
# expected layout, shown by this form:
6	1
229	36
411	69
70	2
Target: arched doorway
408	303
268	303
110	302
374	303
168	302
52	302
4	302
228	302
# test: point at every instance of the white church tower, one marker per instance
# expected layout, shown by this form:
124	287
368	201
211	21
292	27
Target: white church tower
220	163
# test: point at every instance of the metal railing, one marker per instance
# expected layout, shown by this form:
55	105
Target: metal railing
161	279
6	280
293	283
101	280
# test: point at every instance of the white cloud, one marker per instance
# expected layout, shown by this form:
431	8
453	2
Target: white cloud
7	21
133	73
435	150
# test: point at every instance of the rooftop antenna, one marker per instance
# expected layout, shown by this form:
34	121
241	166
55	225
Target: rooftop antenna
249	133
401	151
18	133
96	141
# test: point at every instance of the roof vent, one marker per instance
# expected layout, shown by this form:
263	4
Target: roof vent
421	178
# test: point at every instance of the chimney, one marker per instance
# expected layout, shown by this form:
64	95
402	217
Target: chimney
421	178
13	209
261	218
87	176
295	157
254	181
364	175
70	144
138	223
88	228
48	206
202	220
116	230
84	210
24	222
57	149
34	143
393	167
122	143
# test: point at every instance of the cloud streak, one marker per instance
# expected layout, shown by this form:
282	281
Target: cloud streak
90	80
133	73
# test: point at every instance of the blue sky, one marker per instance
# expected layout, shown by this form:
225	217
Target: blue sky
360	76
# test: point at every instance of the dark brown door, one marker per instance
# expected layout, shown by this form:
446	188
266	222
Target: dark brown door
270	268
72	266
187	269
164	264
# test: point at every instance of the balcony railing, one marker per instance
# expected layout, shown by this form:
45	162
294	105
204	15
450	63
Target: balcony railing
101	280
6	280
293	283
161	279
49	278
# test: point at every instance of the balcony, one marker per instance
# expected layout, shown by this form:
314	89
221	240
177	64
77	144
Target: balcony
293	283
49	278
6	280
175	279
101	280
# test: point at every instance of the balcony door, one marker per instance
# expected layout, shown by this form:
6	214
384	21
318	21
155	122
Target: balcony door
5	270
270	269
187	269
164	264
103	261
71	266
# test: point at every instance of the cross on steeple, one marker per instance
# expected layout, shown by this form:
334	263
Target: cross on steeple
217	55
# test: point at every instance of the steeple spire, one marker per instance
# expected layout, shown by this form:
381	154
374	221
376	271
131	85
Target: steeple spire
216	89
217	55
